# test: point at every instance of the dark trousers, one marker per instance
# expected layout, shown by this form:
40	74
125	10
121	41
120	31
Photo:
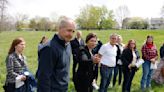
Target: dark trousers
96	71
128	77
75	81
21	89
117	69
74	71
83	84
10	87
106	75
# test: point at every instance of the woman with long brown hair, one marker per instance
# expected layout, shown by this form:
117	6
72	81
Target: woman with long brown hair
129	59
15	65
149	55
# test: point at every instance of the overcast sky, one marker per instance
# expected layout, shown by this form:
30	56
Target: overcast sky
71	8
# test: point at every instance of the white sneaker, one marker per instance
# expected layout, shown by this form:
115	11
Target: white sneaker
95	86
110	86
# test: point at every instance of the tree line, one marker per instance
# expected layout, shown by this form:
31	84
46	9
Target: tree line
89	17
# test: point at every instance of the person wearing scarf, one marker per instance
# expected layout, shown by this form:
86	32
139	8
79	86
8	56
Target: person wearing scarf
149	55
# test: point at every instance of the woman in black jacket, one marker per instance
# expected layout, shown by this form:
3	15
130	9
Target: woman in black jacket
85	72
129	58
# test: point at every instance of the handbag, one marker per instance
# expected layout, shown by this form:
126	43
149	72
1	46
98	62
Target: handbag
153	66
139	63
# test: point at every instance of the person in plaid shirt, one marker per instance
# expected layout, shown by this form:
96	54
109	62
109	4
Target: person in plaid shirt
15	65
149	55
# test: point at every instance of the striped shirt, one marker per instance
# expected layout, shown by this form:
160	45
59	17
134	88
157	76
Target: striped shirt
15	66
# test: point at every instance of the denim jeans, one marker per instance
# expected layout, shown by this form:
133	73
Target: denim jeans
146	75
106	75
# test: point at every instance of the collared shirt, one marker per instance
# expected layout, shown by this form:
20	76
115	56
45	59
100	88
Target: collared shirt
108	53
79	39
121	46
81	42
149	53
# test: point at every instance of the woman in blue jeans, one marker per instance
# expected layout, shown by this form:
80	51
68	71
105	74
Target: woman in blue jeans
149	55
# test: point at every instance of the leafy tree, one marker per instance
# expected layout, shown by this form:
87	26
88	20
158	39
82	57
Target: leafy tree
94	17
33	24
136	23
41	23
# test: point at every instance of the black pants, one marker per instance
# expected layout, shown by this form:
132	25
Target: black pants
83	84
117	70
128	77
75	82
74	71
10	87
95	72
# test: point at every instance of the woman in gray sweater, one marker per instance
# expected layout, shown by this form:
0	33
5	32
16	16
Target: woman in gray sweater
15	65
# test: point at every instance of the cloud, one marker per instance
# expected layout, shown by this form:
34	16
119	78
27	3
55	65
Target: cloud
71	8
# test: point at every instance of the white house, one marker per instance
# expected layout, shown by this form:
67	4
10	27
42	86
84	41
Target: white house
156	23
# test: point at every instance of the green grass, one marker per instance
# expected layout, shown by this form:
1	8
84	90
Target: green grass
33	38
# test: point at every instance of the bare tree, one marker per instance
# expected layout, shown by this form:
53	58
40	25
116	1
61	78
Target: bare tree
122	12
3	6
9	23
21	20
162	11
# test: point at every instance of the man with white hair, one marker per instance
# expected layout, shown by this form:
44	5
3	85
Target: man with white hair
54	64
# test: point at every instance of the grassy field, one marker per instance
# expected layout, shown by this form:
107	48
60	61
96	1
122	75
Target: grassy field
33	38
